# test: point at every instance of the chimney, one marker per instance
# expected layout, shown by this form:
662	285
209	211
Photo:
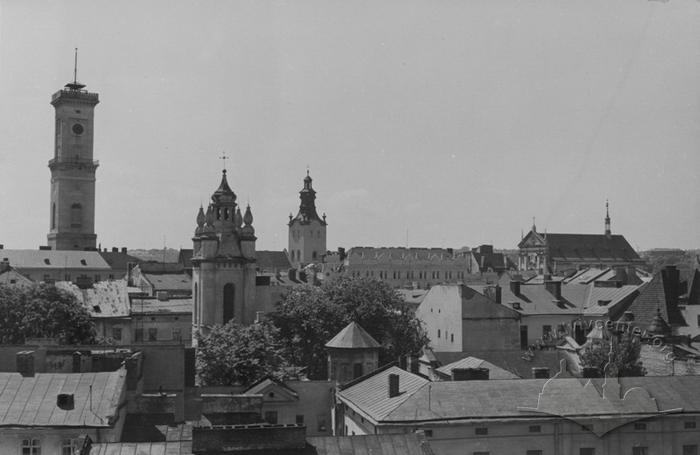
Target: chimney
115	249
554	288
515	287
4	266
2	246
393	385
497	293
671	282
341	253
469	374
413	364
25	363
123	250
540	372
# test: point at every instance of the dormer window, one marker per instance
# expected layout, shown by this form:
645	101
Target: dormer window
47	262
83	262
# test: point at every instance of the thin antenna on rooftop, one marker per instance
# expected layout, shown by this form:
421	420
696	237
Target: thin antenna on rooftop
164	247
75	67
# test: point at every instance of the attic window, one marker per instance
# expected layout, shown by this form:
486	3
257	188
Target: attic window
83	262
47	262
603	302
271	394
96	309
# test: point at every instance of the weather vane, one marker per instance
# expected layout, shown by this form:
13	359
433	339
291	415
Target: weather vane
224	158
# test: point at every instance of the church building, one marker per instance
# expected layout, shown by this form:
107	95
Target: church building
223	262
307	231
72	217
560	253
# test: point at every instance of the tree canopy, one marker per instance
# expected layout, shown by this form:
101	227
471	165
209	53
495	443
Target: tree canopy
622	362
43	311
310	316
234	354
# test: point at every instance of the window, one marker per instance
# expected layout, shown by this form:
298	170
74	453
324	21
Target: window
533	452
356	370
640	426
76	215
271	417
691	449
229	301
69	446
117	333
438	333
481	430
480	453
640	450
452	337
546	332
535	429
31	447
66	277
689	425
586	451
47	278
698	320
138	335
53	216
321	423
428	433
177	335
153	334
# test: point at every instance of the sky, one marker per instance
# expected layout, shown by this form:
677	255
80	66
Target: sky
423	123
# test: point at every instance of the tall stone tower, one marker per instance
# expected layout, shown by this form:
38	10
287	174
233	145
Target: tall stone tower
307	232
223	262
72	217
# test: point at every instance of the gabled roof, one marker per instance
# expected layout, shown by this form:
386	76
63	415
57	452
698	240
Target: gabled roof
53	259
12	277
474	362
104	299
31	401
353	336
279	390
512	360
590	246
118	260
652	296
170	281
272	260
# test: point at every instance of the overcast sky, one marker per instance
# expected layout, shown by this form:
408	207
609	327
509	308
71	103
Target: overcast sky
432	123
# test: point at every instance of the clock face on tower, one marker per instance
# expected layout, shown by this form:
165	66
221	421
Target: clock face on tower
77	129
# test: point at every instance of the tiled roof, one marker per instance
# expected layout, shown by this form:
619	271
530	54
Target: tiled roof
105	299
652	296
450	400
31	401
600	300
353	336
272	260
170	281
474	362
52	259
262	384
383	254
12	277
589	246
154	267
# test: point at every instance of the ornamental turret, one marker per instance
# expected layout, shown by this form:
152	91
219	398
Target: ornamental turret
307	231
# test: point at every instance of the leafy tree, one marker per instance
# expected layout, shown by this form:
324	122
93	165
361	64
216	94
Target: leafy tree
43	311
623	361
235	354
310	316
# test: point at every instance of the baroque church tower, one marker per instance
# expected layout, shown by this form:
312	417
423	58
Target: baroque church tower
307	231
223	262
72	217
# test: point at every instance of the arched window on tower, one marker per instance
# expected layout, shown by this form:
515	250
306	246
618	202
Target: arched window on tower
229	299
76	215
53	215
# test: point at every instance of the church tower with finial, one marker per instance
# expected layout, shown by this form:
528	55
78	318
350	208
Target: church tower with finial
72	211
608	232
307	231
223	262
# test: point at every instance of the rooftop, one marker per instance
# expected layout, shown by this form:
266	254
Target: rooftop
52	259
103	300
31	401
353	336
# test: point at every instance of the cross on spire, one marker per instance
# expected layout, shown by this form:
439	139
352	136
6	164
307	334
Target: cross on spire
224	158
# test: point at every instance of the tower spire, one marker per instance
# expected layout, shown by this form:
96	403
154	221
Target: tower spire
75	67
608	232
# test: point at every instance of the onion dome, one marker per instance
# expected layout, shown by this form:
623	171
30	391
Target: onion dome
224	191
200	221
237	218
248	220
658	326
209	217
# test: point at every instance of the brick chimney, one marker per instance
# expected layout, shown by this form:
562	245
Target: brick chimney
393	385
25	363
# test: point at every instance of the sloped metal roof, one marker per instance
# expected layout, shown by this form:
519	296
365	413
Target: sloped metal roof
353	336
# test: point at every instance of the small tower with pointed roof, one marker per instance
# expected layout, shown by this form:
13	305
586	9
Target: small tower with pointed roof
307	231
352	353
223	262
72	211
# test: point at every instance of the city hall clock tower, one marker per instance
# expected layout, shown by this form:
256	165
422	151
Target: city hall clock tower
72	216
